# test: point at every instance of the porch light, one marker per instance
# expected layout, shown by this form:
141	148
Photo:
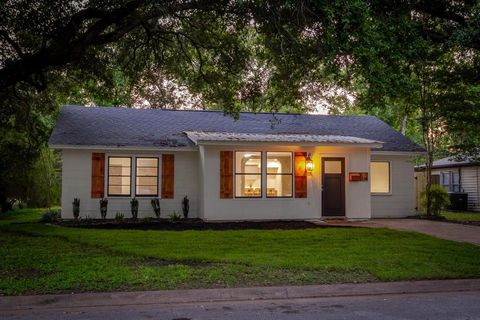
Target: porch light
309	163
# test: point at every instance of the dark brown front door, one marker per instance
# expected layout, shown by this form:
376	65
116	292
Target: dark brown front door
333	187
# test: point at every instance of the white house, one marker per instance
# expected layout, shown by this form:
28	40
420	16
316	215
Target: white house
458	176
261	166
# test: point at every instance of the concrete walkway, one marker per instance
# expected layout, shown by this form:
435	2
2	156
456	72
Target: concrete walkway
444	230
170	297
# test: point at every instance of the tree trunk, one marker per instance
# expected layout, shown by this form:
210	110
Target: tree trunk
429	164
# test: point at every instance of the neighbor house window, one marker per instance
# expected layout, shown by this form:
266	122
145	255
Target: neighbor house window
146	177
119	176
279	174
451	181
380	176
248	174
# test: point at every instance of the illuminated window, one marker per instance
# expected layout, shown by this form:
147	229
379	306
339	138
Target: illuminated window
279	174
146	177
119	176
248	174
380	176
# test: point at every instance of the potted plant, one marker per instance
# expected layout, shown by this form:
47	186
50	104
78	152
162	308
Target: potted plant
156	207
134	208
76	208
103	207
185	207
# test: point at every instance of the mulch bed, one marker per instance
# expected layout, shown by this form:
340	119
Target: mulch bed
190	224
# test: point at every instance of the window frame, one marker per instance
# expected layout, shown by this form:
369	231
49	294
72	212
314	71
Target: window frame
157	176
291	174
235	174
451	185
389	193
108	177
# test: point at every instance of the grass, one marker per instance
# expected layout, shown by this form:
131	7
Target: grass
40	258
461	216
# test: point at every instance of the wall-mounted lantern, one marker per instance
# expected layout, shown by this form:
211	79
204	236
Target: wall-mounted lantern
309	163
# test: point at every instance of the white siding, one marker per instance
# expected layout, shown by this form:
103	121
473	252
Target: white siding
76	183
470	180
357	194
401	201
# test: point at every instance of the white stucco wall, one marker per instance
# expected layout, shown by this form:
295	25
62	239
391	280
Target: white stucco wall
76	183
357	194
400	202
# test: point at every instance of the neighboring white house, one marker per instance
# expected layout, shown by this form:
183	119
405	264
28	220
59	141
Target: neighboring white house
458	176
261	166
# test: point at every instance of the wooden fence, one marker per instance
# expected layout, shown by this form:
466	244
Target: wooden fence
420	185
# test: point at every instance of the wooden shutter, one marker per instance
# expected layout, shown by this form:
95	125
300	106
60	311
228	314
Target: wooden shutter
226	174
300	175
168	168
98	175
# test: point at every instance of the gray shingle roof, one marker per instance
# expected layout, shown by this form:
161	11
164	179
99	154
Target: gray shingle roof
450	162
127	127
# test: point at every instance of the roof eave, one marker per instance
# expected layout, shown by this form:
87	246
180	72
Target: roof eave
120	148
288	143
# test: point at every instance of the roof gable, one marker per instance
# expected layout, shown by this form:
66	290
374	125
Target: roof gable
157	128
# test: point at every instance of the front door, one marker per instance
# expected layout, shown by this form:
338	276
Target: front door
333	187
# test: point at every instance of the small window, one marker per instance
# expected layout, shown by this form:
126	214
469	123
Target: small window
119	176
146	177
248	174
451	181
279	174
380	176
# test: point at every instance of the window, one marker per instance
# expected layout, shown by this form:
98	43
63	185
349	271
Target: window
248	174
146	177
451	181
380	176
279	174
119	176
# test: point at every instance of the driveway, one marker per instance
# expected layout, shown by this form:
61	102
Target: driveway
444	230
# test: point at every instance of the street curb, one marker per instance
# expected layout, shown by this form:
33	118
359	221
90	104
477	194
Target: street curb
83	300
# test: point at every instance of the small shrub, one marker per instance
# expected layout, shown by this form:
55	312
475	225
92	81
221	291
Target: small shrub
119	216
50	216
185	207
439	198
134	208
175	216
76	208
156	207
103	207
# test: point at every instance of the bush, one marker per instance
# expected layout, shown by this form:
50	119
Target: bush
439	199
175	216
50	216
119	216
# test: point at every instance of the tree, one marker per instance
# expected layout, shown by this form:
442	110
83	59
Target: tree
235	55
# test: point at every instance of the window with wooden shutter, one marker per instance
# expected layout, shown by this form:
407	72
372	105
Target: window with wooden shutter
226	174
300	175
168	168
98	175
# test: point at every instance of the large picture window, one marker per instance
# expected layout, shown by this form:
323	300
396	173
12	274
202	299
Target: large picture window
119	176
279	174
146	177
380	176
248	174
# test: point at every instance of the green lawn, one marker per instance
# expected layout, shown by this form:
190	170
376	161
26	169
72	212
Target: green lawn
461	216
40	258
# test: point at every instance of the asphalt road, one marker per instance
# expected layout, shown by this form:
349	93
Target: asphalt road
437	306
